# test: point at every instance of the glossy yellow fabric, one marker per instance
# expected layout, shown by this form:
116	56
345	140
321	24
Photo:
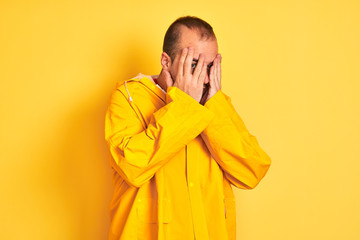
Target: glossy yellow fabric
174	161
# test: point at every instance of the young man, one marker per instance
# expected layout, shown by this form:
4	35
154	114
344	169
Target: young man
177	145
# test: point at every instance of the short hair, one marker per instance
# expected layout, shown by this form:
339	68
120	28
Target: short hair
172	35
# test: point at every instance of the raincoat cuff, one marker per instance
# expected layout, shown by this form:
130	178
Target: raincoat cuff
174	93
220	104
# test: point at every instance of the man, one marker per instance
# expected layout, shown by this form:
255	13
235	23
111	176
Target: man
177	145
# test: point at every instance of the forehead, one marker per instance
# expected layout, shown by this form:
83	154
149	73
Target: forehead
191	38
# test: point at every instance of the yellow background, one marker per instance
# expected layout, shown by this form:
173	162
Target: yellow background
290	67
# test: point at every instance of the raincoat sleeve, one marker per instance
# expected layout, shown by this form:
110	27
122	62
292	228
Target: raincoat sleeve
137	153
236	151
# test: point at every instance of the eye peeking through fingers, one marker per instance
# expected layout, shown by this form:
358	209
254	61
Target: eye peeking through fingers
195	62
193	65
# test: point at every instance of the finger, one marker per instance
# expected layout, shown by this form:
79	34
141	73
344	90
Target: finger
215	70
188	61
182	60
219	69
199	66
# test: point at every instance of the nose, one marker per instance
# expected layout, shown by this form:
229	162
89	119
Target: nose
206	81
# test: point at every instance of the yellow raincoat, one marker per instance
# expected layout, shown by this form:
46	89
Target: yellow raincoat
173	161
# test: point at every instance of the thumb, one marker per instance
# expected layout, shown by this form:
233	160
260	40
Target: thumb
168	80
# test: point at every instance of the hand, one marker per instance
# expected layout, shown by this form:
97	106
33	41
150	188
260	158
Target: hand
189	81
215	77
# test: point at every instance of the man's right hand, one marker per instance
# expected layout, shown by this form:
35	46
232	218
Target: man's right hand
188	80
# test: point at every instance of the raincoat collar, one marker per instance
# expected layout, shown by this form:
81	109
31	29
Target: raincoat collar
149	82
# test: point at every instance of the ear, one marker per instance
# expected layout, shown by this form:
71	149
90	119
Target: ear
165	61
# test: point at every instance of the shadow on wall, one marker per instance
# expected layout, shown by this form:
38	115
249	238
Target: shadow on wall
87	175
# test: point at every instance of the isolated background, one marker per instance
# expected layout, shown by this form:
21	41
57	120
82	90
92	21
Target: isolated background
290	67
